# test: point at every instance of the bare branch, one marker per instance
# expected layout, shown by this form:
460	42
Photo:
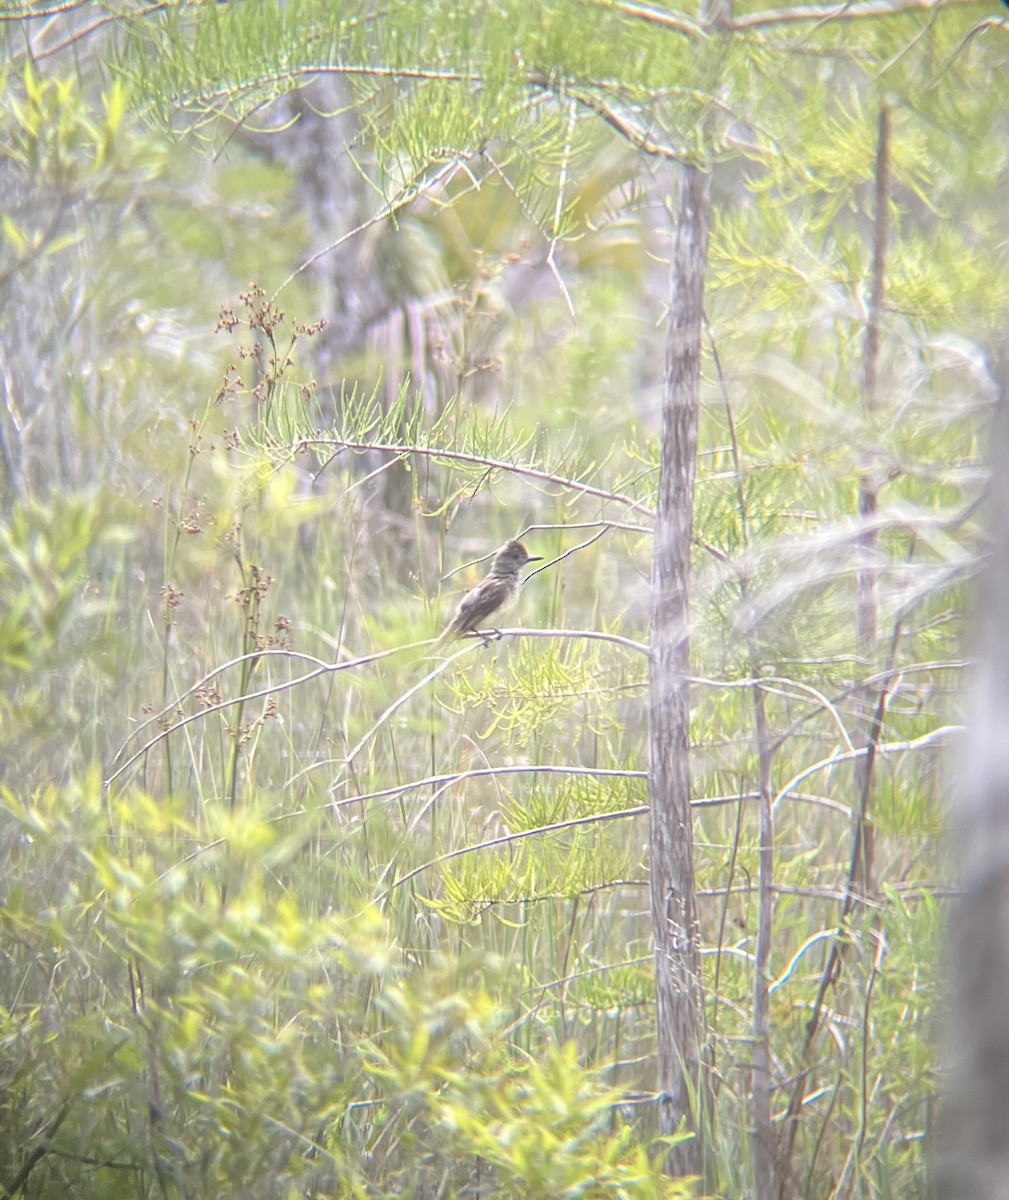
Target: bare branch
798	13
883	748
505	839
676	22
494	464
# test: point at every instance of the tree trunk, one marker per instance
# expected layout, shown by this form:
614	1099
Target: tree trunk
677	959
975	1138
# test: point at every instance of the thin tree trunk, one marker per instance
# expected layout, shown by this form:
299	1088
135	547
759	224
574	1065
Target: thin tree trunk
762	1140
872	700
867	604
975	1137
763	1145
677	958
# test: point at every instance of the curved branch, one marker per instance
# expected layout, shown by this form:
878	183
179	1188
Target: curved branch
840	12
505	839
494	464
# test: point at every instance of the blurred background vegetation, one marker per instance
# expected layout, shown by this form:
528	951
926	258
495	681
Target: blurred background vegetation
305	309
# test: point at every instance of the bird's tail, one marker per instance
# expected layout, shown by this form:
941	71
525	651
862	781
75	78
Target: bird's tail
447	635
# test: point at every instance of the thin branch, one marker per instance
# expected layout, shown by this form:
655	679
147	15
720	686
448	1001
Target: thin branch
863	1125
478	638
588	635
395	706
760	1079
842	12
981	27
676	22
202	683
832	895
493	464
407	195
323	668
723	917
562	180
867	603
506	839
621	123
80	35
879	677
797	957
883	748
564	526
439	781
567	554
587	974
36	12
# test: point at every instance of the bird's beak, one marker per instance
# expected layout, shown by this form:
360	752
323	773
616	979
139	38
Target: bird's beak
535	558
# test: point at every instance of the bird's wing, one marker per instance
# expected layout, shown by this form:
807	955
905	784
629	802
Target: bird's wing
479	603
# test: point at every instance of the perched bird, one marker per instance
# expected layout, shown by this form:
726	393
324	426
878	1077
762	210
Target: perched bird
495	595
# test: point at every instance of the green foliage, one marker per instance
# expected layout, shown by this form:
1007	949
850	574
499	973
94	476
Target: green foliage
45	558
242	1043
316	935
529	1130
61	148
54	624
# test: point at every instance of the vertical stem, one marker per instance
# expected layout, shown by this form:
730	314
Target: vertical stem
763	1144
866	622
867	602
762	1138
674	919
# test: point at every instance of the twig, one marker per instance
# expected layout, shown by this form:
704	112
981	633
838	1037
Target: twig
841	12
563	526
883	748
406	195
567	553
323	668
396	705
455	777
588	635
506	839
562	179
493	464
675	22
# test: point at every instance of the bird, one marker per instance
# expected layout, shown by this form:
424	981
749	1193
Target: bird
493	596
